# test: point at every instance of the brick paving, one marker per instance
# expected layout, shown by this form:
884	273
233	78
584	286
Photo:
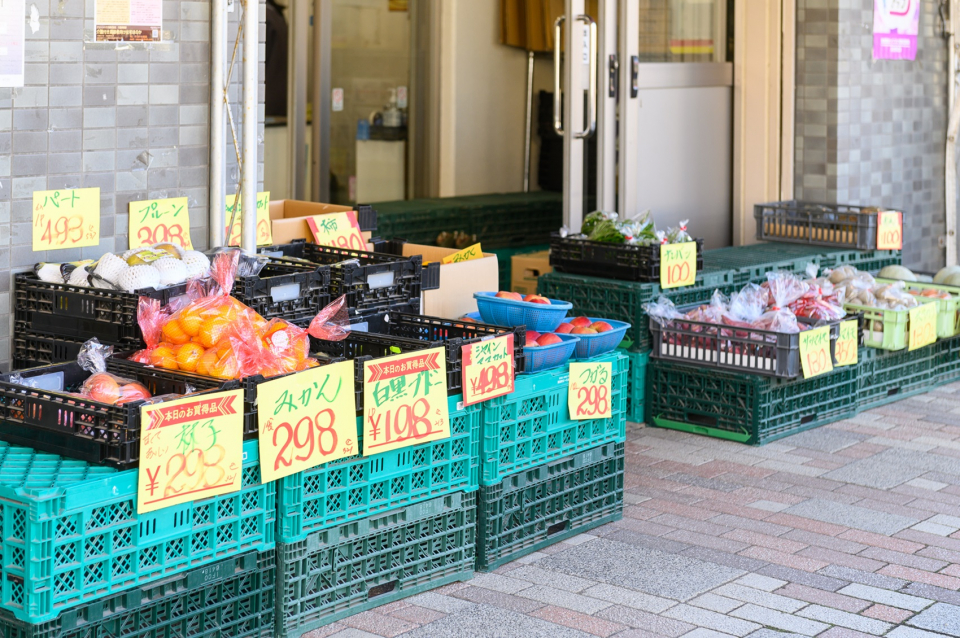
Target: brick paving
852	529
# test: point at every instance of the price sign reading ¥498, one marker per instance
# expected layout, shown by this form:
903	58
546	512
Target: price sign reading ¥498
890	230
160	221
66	219
815	356
264	227
591	386
488	370
678	264
338	230
923	325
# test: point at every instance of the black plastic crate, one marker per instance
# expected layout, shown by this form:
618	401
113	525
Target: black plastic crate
286	289
833	225
73	426
613	261
430	280
294	249
31	349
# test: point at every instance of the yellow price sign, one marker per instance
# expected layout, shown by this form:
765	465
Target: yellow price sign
815	356
847	343
405	400
338	230
66	219
678	264
467	254
488	369
160	221
264	227
191	449
923	325
890	230
306	419
590	390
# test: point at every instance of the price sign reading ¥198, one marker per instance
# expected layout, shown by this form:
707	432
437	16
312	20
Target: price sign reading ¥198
467	254
847	343
66	219
306	419
338	230
487	369
923	325
591	385
405	400
815	356
678	264
191	449
890	230
264	227
160	221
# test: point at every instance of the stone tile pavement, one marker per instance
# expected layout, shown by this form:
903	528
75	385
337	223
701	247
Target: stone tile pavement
849	530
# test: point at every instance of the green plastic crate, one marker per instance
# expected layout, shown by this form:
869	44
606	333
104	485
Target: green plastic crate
351	568
948	360
745	407
636	385
532	425
948	310
865	260
884	377
752	263
71	534
358	486
883	328
537	507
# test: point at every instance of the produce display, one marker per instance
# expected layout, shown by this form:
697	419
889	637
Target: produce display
584	326
862	289
607	227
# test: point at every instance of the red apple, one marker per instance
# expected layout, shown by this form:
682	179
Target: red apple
580	322
548	339
564	328
532	336
601	326
506	294
536	299
583	331
468	319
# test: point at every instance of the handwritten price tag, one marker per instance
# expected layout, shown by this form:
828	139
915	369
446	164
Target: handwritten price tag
890	230
591	385
339	230
192	448
160	221
66	219
306	419
847	343
467	254
815	356
678	264
264	227
923	325
405	400
487	369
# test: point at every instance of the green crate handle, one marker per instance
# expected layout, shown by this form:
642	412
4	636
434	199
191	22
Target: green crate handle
701	429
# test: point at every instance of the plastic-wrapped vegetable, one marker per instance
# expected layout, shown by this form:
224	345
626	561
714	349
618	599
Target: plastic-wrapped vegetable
662	310
679	234
102	386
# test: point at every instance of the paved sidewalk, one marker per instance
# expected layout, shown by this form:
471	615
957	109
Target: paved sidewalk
852	529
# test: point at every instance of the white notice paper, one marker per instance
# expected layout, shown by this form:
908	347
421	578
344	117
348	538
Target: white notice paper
13	18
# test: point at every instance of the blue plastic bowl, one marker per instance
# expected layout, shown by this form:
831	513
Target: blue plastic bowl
475	316
543	358
603	342
507	312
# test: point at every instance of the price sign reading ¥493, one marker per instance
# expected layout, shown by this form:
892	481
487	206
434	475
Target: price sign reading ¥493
488	370
591	386
264	227
678	264
160	221
338	230
66	219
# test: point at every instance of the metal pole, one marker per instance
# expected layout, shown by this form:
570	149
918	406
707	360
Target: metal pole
952	128
298	16
527	136
218	40
320	131
251	95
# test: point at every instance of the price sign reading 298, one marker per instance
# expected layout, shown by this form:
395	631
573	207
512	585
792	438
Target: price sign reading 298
590	390
66	219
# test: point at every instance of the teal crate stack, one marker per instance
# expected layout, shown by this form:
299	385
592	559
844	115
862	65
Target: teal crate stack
636	385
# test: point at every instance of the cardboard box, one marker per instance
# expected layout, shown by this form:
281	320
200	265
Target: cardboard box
458	282
526	269
288	217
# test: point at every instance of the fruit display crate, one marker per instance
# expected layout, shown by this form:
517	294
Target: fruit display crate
70	425
542	505
356	566
31	349
884	377
532	425
884	328
832	225
745	407
71	534
286	289
234	597
616	261
357	486
636	385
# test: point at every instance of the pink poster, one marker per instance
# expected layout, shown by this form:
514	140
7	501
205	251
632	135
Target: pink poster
895	27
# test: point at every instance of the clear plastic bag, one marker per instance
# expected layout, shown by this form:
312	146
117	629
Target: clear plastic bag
662	311
102	386
333	322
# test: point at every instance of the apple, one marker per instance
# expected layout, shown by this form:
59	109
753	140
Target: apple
564	328
532	336
468	319
583	331
536	299
506	294
548	339
601	326
580	322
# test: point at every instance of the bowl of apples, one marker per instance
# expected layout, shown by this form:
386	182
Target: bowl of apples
512	309
543	351
597	336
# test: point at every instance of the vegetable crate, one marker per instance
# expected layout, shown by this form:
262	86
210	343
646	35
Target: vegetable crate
286	289
546	504
71	534
617	261
234	597
78	427
833	225
636	385
356	566
885	376
884	328
31	349
745	407
532	426
351	488
948	310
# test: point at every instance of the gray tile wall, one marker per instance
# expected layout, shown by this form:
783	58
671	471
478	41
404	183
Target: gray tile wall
872	132
129	118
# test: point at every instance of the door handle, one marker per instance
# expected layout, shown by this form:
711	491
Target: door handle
557	98
592	82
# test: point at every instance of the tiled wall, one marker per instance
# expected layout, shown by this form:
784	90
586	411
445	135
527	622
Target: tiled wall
129	118
872	132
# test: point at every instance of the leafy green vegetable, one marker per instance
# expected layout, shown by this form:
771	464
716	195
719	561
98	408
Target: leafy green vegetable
606	231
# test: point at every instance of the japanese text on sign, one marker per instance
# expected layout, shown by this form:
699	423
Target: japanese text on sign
405	400
264	227
467	254
815	356
339	230
889	230
191	449
66	219
160	221
591	385
847	343
488	369
306	419
678	264
922	326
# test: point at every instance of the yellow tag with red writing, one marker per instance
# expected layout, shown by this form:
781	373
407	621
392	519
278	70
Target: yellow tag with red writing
488	370
467	254
160	221
589	394
66	219
264	227
890	230
405	400
338	230
306	419
923	325
678	264
815	356
190	449
847	343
